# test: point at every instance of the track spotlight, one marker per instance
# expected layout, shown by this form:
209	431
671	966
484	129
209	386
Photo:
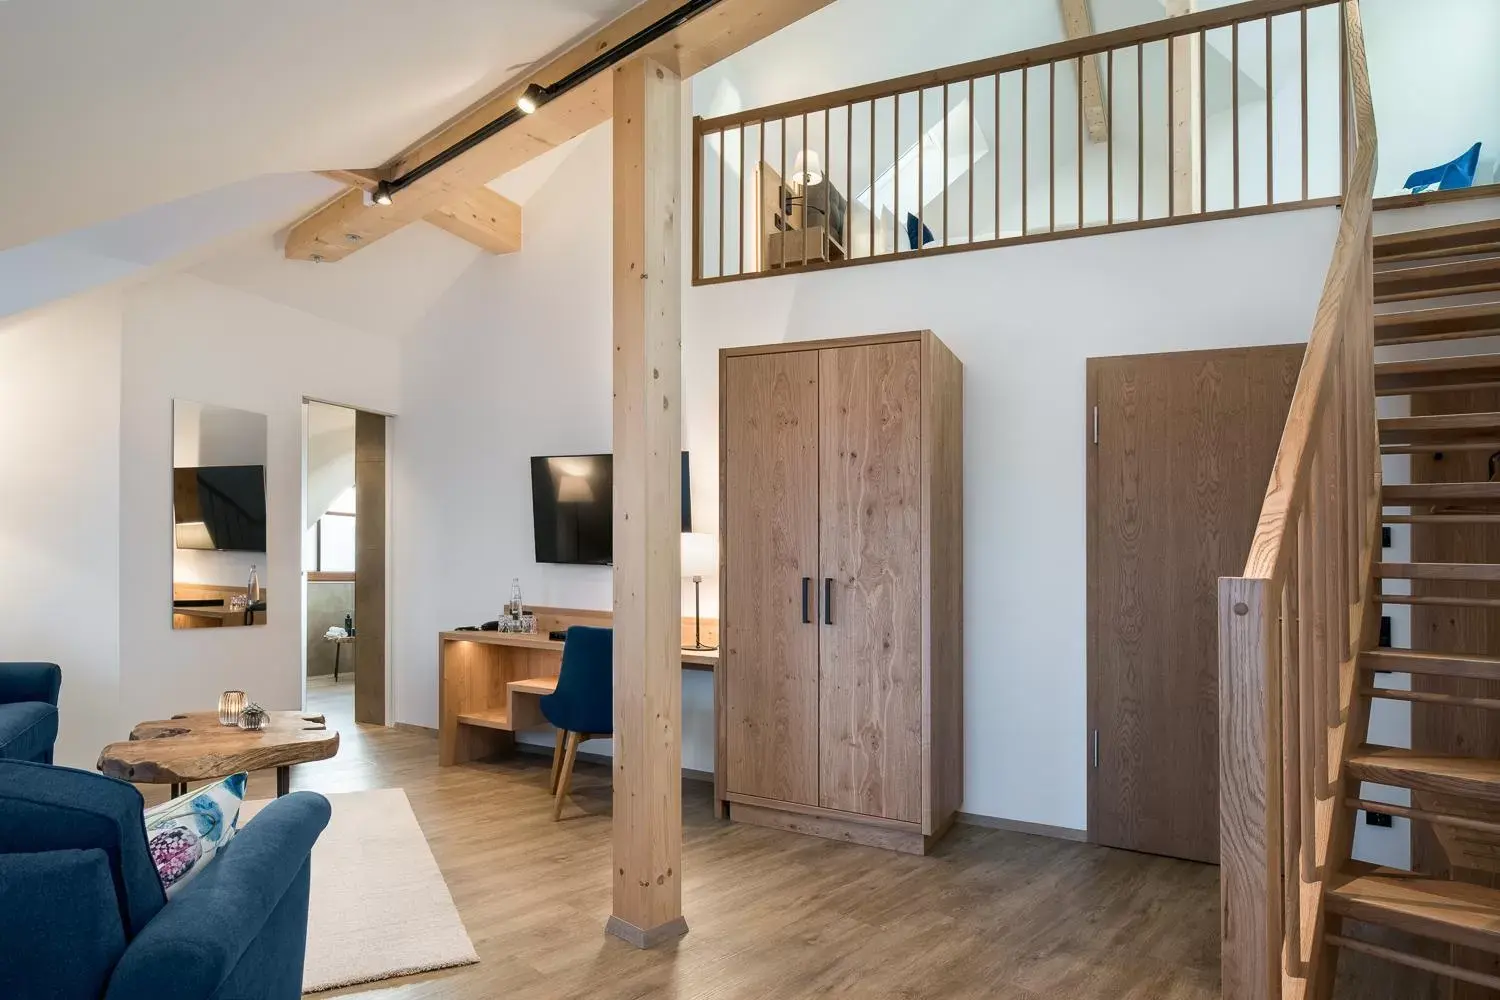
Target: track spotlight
382	195
531	98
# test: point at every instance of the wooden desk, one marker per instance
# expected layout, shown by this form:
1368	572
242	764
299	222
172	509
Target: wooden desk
489	683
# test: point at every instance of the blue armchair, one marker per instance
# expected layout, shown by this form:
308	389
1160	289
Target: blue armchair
28	710
583	706
83	913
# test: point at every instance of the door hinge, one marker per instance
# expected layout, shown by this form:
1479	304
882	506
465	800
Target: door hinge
1096	425
1096	749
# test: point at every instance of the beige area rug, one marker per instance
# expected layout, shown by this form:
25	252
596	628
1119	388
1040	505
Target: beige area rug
380	908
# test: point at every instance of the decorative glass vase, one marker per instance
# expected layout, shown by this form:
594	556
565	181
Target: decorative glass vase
231	704
254	718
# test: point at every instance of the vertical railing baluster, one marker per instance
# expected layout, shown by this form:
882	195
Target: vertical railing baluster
1322	601
998	158
973	127
921	240
1270	120
1025	150
739	208
1202	120
782	188
1305	157
1171	128
1140	133
1234	102
896	173
1052	147
848	232
1291	765
946	182
1308	681
1080	141
1109	120
1344	108
803	185
723	222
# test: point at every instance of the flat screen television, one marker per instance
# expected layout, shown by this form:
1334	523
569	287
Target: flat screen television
573	510
220	507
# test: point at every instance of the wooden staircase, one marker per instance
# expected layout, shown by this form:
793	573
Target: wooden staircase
1300	629
1453	793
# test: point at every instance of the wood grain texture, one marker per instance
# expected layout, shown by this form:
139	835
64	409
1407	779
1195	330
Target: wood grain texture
1186	443
370	567
700	42
1463	277
943	583
769	451
1446	241
1473	777
1439	323
195	747
647	307
1449	911
870	659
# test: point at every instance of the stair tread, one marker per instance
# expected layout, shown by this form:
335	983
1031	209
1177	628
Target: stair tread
1456	912
1423	662
1480	572
1400	492
1463	277
1481	420
1422	366
1438	323
1456	240
1423	771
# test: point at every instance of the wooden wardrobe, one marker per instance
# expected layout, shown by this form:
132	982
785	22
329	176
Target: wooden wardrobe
840	685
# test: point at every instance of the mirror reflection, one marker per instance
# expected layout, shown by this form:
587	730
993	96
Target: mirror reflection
218	516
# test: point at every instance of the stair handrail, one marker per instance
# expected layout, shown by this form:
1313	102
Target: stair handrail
1291	625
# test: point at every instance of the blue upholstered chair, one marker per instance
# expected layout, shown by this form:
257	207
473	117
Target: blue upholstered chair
83	914
583	706
28	710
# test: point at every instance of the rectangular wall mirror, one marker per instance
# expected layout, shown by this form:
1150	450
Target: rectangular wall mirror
218	516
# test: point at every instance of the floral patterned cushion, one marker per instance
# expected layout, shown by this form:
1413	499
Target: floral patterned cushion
185	833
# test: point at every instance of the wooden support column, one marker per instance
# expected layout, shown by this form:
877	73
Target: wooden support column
648	487
1187	99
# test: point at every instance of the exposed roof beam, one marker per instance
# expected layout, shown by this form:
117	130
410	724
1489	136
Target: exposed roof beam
1078	22
344	224
487	220
1187	101
482	217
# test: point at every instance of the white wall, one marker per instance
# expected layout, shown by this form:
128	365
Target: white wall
60	509
515	361
185	338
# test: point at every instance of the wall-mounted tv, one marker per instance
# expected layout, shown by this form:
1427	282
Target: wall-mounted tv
573	511
220	507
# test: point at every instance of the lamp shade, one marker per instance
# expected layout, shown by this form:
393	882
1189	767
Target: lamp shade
808	168
700	554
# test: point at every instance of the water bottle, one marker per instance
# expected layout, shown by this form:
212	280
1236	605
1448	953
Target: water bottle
515	599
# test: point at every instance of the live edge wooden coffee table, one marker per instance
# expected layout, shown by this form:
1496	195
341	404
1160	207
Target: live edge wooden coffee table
195	747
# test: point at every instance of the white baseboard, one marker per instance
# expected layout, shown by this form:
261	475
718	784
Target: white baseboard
1021	826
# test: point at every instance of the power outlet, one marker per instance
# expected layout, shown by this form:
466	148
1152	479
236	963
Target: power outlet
1377	819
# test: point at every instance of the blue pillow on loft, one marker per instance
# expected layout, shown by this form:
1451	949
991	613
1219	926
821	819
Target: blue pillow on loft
1455	174
912	224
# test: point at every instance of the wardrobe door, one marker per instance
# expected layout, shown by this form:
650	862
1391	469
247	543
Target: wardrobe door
870	671
769	663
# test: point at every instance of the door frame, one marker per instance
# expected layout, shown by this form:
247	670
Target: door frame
389	701
1093	367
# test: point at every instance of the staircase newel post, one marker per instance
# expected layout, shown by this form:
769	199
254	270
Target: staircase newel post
1250	829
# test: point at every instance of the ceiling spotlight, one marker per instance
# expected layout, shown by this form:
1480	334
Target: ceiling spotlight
531	98
382	195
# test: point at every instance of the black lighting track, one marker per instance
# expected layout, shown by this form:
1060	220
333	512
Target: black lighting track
603	61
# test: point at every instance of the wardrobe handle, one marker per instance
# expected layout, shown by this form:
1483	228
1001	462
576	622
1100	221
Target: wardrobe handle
827	600
807	600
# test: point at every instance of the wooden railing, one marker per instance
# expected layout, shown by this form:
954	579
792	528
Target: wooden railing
1232	111
1291	627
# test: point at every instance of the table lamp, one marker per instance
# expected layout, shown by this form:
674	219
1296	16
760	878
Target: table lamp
700	558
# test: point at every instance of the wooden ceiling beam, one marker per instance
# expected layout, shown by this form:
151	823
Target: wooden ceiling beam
488	220
1078	22
346	223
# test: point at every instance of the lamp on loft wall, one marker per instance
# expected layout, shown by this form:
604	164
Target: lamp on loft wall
700	558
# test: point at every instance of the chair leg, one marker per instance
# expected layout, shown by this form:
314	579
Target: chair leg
557	759
566	777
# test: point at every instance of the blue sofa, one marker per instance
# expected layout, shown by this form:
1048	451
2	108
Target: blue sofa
28	710
83	914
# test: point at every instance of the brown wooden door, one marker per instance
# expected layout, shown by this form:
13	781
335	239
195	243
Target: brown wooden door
1184	449
770	653
871	668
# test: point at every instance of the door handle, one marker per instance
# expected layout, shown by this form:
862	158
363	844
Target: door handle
827	600
807	600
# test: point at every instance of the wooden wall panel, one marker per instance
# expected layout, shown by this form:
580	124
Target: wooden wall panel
943	570
769	657
870	676
1176	480
370	565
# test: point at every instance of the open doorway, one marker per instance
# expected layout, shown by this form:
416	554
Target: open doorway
344	560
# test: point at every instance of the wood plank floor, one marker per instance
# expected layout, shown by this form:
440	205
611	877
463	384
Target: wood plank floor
772	915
